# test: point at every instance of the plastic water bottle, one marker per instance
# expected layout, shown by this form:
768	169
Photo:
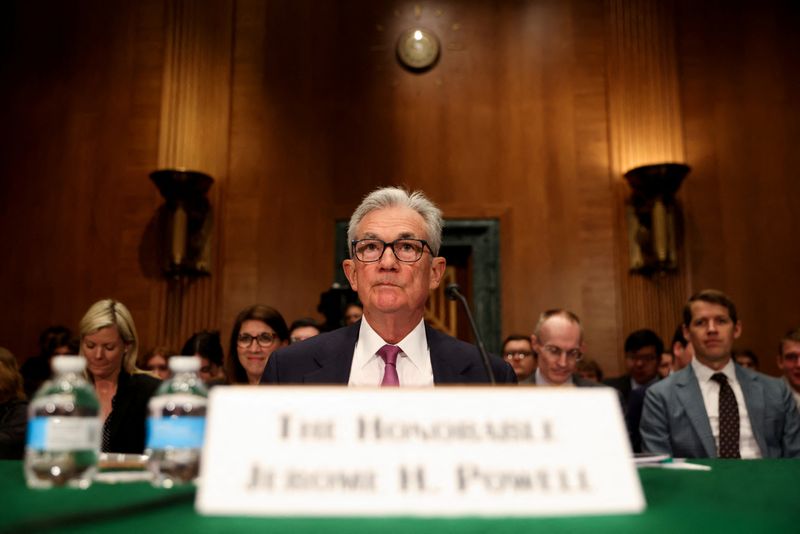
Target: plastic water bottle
176	424
64	429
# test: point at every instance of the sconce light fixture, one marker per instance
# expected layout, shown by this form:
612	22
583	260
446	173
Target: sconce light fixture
651	214
185	222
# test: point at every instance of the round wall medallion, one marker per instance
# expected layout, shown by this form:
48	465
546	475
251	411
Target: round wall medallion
417	49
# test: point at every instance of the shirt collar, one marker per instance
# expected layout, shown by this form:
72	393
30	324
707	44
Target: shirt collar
414	346
542	381
704	373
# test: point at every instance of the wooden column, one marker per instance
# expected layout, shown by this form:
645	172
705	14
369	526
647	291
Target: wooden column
194	135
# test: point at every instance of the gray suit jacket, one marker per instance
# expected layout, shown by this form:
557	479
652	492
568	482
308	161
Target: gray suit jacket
674	420
327	358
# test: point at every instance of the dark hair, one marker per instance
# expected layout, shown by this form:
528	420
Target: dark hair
712	296
791	335
160	350
53	337
745	352
678	337
516	337
259	312
590	365
305	321
207	344
644	338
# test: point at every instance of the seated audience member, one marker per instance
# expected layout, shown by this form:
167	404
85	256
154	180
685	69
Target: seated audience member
110	344
302	329
156	360
558	341
714	408
207	345
54	340
643	350
394	263
518	351
788	355
746	358
665	364
590	370
682	350
257	332
13	408
353	313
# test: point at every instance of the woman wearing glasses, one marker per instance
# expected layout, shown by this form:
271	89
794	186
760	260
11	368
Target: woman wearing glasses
258	331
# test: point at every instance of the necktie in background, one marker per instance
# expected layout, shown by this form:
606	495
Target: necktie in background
389	355
728	419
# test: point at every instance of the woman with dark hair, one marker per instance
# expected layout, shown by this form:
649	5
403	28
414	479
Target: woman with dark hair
156	360
208	347
54	340
257	332
13	408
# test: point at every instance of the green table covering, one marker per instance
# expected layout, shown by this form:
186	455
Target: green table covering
735	496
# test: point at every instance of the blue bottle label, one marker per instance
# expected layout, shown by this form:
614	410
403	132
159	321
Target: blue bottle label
58	433
184	432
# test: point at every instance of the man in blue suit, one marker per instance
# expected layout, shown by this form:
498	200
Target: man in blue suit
394	244
713	407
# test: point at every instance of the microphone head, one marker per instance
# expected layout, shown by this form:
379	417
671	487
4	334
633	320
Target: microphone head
452	291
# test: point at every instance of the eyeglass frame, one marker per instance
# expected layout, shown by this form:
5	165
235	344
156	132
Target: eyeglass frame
273	338
391	245
576	356
518	354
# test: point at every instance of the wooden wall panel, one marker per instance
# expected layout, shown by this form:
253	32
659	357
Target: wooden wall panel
739	83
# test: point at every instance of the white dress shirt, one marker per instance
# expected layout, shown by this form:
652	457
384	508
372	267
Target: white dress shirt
795	393
542	381
413	363
748	446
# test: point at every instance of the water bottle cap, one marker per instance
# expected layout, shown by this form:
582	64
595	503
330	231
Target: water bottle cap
68	364
184	364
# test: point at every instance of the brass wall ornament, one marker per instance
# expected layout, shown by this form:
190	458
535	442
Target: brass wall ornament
418	49
185	222
652	215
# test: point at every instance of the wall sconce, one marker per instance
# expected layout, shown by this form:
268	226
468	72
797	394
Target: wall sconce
651	214
185	222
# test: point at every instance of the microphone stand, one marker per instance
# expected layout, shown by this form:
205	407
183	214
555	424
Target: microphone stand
453	292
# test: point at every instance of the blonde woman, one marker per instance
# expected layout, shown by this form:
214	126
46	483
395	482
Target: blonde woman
110	344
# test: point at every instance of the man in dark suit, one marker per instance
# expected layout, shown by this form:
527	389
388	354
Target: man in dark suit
714	407
394	244
558	340
643	350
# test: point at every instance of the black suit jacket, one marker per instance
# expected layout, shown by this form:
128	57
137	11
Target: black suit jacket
327	358
126	422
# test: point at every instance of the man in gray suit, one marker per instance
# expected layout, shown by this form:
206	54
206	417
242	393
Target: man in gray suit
713	407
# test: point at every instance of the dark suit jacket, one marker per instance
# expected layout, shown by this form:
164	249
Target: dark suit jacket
327	358
126	422
621	384
675	421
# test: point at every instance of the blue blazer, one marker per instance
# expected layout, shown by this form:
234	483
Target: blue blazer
327	358
674	420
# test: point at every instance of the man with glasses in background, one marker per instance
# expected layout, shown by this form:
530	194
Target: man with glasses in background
788	355
518	352
394	241
558	342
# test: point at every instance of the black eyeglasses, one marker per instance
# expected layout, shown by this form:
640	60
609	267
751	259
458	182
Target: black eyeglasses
405	250
517	354
264	339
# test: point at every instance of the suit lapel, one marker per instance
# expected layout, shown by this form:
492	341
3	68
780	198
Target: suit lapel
336	360
689	395
753	392
447	365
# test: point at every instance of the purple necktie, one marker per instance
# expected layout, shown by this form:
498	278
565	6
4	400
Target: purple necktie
389	354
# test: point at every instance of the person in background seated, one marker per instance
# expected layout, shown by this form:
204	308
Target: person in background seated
110	344
518	351
666	364
13	408
353	313
156	360
394	263
682	350
558	341
302	329
54	340
746	358
788	355
257	332
590	370
643	350
207	345
714	407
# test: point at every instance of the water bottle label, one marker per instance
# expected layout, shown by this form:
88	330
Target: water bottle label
184	432
64	433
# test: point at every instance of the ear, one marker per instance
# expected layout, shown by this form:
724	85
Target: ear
534	341
438	265
737	330
779	359
686	333
349	268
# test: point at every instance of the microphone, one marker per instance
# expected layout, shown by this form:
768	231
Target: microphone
453	292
